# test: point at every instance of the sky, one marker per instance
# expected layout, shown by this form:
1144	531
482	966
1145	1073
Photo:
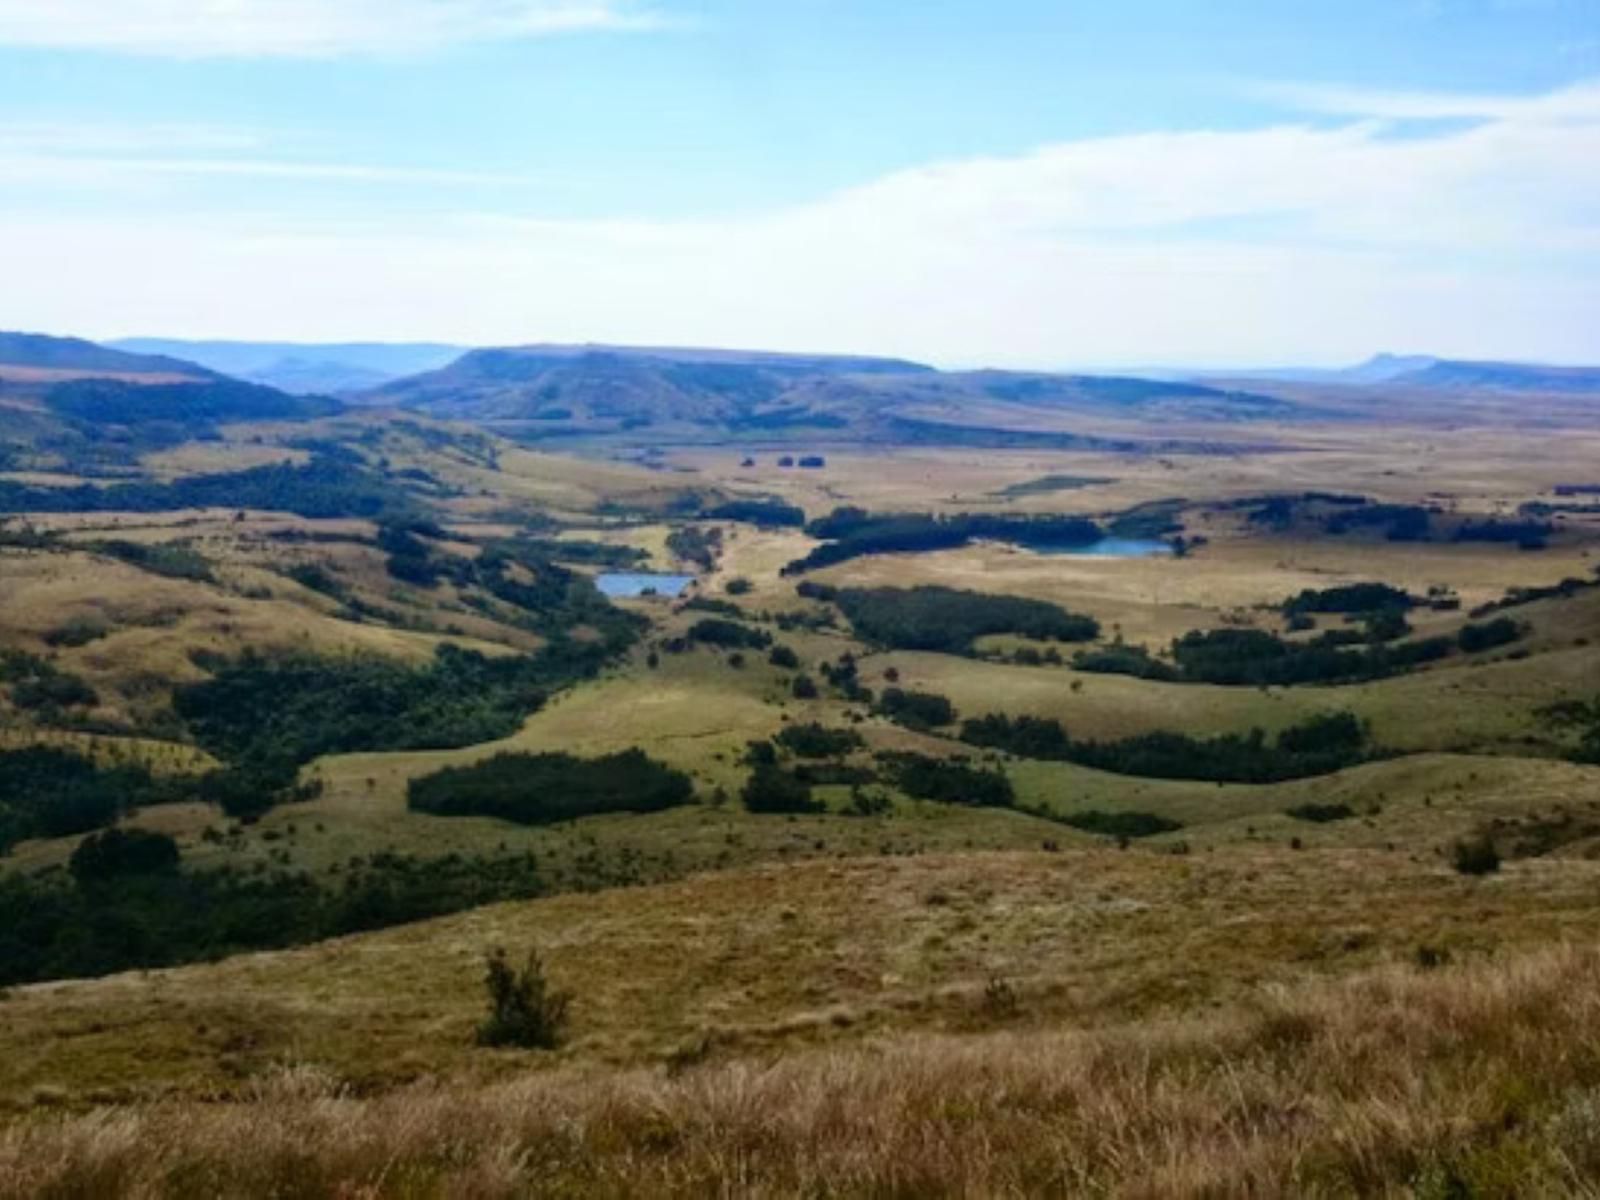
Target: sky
1009	182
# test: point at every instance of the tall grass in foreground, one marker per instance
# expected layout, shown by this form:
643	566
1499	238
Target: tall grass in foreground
1480	1081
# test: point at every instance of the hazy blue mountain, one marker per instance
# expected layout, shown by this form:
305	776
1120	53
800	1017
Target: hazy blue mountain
305	367
44	352
1504	377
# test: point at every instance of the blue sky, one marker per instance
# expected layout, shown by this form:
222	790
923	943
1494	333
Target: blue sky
1022	183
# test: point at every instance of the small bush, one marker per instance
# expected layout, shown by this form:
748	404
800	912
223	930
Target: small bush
782	656
1476	856
523	1008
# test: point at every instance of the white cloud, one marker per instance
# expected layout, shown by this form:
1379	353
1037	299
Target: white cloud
300	28
1282	243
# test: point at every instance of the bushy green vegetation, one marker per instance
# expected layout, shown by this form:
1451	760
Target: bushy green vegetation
1316	747
324	487
1321	814
524	1010
298	707
730	635
116	853
1349	598
48	792
853	532
266	716
915	710
1123	659
948	781
78	631
541	789
812	740
770	789
1499	632
54	925
949	619
192	410
171	559
39	685
1120	825
696	544
766	513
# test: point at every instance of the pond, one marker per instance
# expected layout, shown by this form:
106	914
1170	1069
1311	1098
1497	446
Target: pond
621	585
1113	547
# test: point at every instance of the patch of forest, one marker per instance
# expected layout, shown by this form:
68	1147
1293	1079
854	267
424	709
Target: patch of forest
848	533
949	619
324	487
542	789
1318	746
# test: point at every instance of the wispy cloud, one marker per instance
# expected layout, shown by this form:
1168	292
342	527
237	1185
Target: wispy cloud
106	156
302	28
1296	239
1581	102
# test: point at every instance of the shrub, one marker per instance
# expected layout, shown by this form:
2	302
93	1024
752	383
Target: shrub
523	1009
950	782
816	741
770	790
804	688
739	586
916	710
783	656
1498	632
1476	855
1120	824
77	631
1321	814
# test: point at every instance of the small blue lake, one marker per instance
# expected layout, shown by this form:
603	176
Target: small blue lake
1112	547
621	585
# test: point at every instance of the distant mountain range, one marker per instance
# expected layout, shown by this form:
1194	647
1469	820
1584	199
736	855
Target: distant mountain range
1424	371
706	395
304	368
74	356
609	389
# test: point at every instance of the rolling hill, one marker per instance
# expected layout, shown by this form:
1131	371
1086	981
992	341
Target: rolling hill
41	357
691	394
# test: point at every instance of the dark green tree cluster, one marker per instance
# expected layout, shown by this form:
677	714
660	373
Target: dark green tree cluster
36	683
853	532
696	544
1318	746
950	619
774	514
771	789
1120	825
1349	598
324	487
729	635
915	710
812	740
123	906
948	781
542	789
49	792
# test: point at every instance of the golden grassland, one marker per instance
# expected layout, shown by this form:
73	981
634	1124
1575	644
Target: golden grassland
768	959
1101	1065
